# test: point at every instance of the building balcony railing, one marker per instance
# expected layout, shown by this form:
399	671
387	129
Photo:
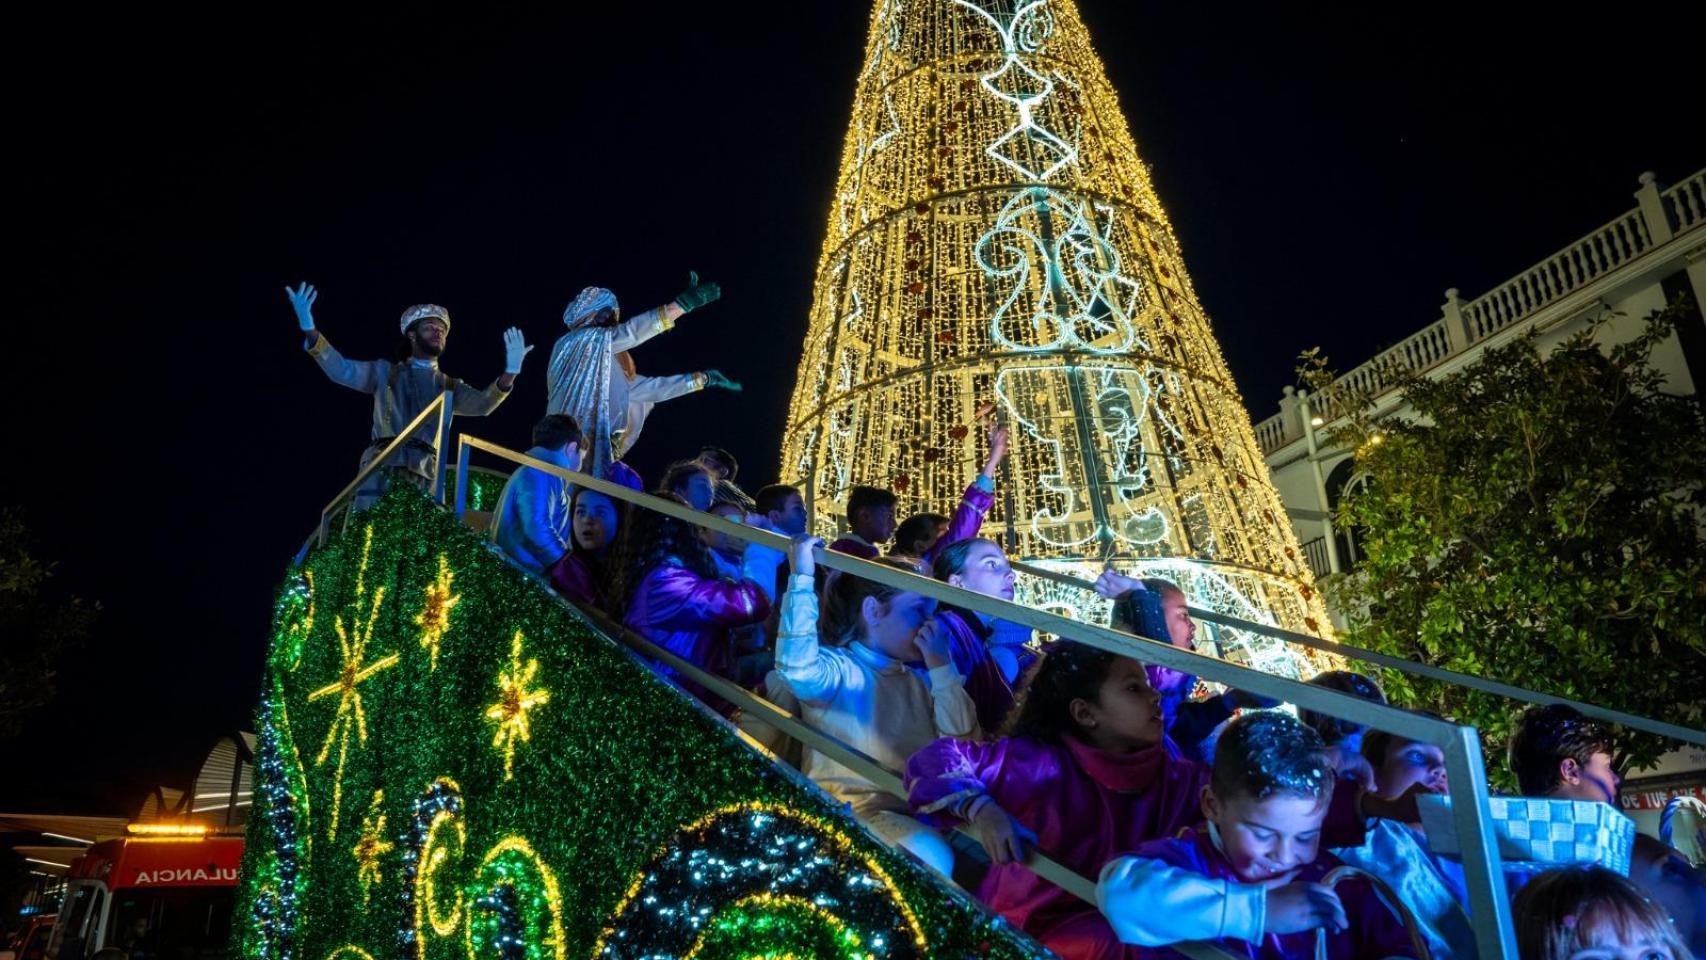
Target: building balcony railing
1662	218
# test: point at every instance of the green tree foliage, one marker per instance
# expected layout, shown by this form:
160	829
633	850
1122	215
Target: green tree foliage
37	627
1536	518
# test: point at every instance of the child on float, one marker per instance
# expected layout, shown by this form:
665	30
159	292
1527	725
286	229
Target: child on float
595	521
1591	913
1559	753
988	651
691	481
1158	609
1253	877
870	512
854	685
1432	887
1344	738
667	589
1084	772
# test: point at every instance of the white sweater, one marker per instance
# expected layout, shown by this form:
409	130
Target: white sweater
1151	903
864	698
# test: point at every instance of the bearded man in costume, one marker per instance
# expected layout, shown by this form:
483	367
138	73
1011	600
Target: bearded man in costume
403	387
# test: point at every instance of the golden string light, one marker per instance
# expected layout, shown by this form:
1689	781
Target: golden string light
352	647
372	846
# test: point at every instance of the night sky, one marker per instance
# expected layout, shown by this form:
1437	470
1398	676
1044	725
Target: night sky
1328	175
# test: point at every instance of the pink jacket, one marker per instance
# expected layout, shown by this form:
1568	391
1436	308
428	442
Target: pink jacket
691	616
1070	795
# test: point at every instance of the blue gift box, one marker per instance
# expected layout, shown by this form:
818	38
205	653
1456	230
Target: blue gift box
1536	830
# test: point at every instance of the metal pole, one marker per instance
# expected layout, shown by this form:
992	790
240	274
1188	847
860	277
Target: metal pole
1489	905
462	452
441	443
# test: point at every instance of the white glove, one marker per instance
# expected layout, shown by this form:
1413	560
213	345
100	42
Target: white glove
515	350
303	302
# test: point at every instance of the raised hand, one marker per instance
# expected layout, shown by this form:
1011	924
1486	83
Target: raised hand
998	439
516	350
1297	907
302	300
1003	837
1112	586
715	378
697	294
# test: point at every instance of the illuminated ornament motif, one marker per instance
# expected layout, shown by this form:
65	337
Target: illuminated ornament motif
514	701
1062	277
349	951
371	847
352	645
433	845
434	618
767	925
1032	150
295	618
787	881
996	237
519	913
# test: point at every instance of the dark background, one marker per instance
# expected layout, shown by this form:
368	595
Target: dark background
1329	176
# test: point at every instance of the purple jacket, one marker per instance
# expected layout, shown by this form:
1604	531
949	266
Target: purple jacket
574	580
985	683
1084	805
691	616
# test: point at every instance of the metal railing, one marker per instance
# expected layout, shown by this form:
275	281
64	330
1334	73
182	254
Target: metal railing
442	406
1460	744
1315	551
1480	684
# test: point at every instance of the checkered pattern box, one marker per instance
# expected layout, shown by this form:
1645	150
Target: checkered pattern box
1541	830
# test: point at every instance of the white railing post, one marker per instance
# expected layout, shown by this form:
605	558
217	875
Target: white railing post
1456	330
1307	416
1653	209
1291	417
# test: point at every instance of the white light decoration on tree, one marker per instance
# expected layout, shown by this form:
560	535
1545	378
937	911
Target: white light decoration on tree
994	239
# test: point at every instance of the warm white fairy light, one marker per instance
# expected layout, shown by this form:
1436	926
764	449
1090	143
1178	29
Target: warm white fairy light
994	238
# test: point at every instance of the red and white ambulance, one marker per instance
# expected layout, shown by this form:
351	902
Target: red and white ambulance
165	892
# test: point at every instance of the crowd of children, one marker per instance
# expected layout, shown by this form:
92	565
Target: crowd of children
1202	818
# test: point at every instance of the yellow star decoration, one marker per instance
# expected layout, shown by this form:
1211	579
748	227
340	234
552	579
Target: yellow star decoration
371	846
514	700
434	618
352	644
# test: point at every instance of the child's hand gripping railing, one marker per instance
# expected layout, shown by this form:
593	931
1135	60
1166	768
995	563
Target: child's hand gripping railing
1461	745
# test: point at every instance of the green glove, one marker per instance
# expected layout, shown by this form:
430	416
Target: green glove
715	378
697	294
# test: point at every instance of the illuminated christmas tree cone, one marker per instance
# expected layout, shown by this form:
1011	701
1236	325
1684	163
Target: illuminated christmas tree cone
994	241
